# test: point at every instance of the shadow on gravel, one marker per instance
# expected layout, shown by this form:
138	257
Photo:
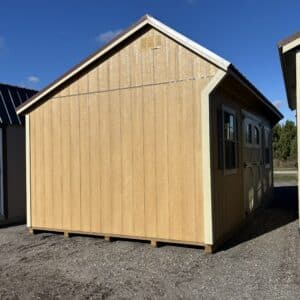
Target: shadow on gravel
281	211
11	224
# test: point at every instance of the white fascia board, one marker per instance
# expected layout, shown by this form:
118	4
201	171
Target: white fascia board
295	43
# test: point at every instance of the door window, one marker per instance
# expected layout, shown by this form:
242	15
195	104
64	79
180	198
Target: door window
267	145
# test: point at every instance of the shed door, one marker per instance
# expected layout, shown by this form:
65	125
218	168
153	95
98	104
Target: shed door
252	163
1	177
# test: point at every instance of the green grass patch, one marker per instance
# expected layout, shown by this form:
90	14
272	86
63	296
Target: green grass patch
289	178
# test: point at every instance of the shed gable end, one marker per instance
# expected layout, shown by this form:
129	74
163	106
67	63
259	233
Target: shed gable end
148	58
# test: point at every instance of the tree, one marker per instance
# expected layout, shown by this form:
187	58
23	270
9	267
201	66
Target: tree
285	141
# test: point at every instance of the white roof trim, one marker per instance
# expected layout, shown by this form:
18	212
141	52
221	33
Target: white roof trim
293	44
207	54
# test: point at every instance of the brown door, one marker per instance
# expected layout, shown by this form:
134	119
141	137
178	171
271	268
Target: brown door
252	163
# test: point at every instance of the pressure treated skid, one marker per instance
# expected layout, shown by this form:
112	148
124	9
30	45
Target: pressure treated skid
122	145
109	238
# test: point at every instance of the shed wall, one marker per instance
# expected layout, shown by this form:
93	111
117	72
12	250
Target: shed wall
118	151
228	190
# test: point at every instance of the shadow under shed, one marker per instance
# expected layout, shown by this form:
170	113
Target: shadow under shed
282	210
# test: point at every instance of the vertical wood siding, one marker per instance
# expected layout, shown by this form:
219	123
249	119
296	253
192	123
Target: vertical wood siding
228	190
118	151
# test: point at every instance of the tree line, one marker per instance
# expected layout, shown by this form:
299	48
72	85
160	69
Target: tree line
285	141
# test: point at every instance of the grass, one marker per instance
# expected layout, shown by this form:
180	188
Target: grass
287	178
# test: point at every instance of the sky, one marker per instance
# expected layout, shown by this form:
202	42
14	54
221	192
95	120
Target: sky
42	39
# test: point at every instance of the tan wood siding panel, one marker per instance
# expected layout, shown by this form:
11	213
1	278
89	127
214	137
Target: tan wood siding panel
66	164
84	146
138	171
95	162
116	162
57	175
188	183
135	71
105	153
174	161
39	184
199	207
147	58
103	77
93	80
125	67
48	167
122	147
149	162
127	162
161	144
114	71
75	164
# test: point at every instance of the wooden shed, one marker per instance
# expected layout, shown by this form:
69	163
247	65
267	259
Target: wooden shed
289	52
152	137
12	155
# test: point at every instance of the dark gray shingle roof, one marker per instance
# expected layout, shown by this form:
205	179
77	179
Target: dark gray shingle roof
10	98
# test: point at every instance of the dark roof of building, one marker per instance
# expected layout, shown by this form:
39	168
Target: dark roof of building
10	98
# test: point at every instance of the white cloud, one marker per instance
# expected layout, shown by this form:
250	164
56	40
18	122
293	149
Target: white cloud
106	36
277	103
33	79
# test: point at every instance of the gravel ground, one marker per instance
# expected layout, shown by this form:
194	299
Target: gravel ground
261	263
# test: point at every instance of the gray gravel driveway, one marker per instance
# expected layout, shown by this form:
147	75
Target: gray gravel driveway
262	262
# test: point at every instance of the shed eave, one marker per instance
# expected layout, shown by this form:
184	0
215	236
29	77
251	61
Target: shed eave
287	52
233	71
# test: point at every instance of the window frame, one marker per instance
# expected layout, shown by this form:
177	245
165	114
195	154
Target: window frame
267	136
255	123
257	128
233	112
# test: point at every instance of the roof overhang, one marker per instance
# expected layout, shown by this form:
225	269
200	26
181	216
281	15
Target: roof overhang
287	51
275	114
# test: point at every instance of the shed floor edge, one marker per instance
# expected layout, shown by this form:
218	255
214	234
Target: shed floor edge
32	229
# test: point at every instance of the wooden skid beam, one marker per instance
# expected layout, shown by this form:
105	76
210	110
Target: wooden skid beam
31	231
209	249
154	243
107	238
66	234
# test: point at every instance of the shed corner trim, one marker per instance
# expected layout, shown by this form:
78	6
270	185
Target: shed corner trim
28	171
206	156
